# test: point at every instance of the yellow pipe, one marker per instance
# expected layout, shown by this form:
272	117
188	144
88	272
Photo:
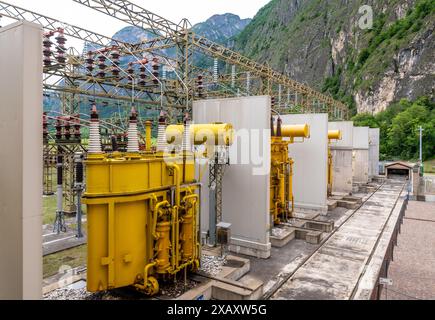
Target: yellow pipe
148	129
146	271
155	216
196	198
296	131
177	174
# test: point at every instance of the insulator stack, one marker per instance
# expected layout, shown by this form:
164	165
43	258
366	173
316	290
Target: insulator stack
142	76
272	102
67	129
102	66
77	127
161	134
130	71
46	51
215	70
45	126
79	172
115	56
200	84
94	132
133	139
114	141
278	128
61	49
58	129
156	70
90	63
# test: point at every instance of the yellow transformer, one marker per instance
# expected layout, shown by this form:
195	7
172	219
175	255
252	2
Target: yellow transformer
143	217
281	175
332	135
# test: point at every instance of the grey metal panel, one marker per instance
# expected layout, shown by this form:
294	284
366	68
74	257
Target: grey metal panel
311	162
245	190
360	166
346	128
374	136
21	164
342	157
361	138
342	177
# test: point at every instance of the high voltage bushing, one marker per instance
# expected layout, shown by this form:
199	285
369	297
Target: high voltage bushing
156	70
46	51
61	49
115	56
90	63
102	66
200	86
130	71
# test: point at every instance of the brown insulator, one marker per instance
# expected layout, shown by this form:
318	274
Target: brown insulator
45	125
156	69
278	127
58	129
200	85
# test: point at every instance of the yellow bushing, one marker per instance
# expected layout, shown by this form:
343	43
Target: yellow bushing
295	131
334	135
219	134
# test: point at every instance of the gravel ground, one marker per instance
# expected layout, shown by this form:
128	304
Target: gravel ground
212	265
78	294
413	268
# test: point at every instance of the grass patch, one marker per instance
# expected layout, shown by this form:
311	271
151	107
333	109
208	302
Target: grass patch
49	204
73	258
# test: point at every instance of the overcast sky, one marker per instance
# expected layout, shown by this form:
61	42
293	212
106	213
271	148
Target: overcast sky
174	10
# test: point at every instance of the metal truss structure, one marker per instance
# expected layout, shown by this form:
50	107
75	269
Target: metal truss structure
160	73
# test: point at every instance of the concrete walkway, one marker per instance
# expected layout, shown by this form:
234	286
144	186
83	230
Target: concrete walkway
413	268
333	272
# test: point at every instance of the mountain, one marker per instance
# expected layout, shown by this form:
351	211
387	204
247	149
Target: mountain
320	42
221	27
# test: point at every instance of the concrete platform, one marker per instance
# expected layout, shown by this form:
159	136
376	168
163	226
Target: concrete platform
53	242
281	236
333	271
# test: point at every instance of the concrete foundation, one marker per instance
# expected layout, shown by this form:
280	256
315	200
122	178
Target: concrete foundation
342	155
248	174
311	161
360	155
21	161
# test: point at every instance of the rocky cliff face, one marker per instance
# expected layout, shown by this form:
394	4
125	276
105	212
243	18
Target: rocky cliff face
319	42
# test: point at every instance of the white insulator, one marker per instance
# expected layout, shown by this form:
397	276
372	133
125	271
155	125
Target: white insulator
94	138
233	76
187	144
133	139
215	70
248	82
161	138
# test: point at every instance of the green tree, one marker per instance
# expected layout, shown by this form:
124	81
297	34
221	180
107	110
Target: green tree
403	137
365	120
